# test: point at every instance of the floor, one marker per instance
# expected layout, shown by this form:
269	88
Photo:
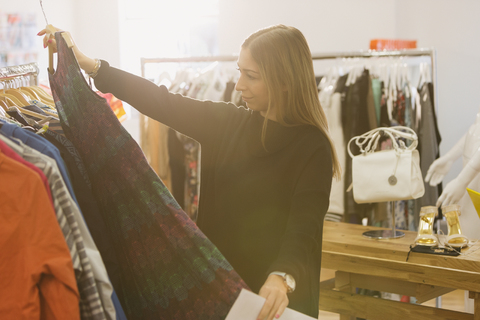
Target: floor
453	300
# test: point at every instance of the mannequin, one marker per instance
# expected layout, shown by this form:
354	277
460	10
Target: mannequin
455	191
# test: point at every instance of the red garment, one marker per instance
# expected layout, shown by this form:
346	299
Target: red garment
36	271
12	154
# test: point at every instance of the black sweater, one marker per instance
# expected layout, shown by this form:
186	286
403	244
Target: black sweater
263	209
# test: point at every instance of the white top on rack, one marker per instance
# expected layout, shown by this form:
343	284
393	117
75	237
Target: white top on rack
24	70
431	52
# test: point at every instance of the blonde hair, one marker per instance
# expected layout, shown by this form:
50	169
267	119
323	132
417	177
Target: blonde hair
286	65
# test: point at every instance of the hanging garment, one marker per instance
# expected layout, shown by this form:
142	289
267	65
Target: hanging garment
399	118
11	154
428	144
206	85
355	122
410	93
87	203
230	87
45	148
177	155
332	106
154	143
371	111
398	114
377	96
84	255
170	270
409	110
384	117
36	272
185	153
217	83
53	122
192	184
38	143
43	106
20	118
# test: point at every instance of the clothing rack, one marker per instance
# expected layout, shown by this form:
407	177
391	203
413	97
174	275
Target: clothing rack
25	70
430	52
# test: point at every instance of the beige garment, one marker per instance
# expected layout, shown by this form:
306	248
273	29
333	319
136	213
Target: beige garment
332	105
154	143
372	113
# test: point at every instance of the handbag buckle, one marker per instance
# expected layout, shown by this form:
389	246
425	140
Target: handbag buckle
392	180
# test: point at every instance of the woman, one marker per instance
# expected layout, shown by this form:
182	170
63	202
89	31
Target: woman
266	170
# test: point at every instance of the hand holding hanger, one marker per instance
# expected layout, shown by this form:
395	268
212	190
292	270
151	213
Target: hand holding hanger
86	63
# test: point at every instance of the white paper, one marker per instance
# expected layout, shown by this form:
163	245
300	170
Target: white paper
248	306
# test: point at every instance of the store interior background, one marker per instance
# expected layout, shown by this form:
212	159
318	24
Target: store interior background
451	27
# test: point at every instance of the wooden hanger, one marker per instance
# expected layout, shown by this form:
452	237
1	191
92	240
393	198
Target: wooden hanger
7	101
30	93
31	113
19	102
19	95
3	105
51	31
49	103
45	97
11	100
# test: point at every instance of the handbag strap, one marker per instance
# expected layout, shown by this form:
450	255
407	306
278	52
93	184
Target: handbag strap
368	142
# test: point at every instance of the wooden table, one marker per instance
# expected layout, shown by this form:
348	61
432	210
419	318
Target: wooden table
382	265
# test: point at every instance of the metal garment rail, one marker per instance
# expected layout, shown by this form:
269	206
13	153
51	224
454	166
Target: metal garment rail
24	70
430	52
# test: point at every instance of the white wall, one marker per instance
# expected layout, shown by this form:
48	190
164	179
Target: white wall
96	29
58	12
94	25
453	28
328	25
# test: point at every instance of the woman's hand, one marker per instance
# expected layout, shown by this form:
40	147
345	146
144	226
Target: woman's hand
86	63
275	291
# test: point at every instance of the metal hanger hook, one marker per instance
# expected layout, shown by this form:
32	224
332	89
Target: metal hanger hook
44	15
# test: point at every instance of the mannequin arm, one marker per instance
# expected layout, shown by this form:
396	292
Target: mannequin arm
440	167
456	188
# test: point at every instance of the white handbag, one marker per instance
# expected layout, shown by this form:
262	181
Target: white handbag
386	175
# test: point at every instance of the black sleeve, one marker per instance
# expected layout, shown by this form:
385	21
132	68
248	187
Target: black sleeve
304	229
197	119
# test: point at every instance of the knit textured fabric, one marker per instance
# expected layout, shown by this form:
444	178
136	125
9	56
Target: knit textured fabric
169	269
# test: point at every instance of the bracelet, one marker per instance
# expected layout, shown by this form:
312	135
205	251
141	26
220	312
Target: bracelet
94	72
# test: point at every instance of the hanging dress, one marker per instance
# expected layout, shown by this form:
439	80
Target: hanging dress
169	269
